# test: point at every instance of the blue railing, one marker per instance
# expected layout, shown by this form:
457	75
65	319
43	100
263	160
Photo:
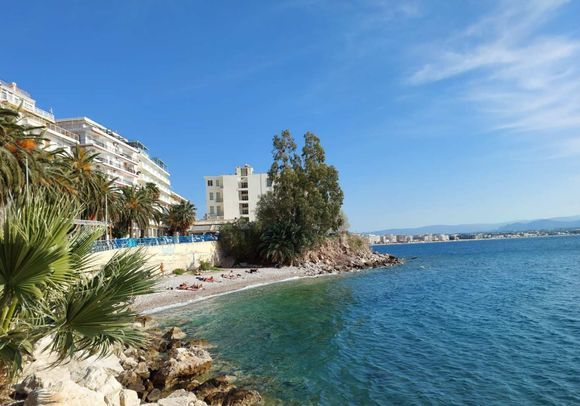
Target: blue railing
103	245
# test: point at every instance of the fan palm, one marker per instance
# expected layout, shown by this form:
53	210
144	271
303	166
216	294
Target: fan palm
49	287
180	216
280	243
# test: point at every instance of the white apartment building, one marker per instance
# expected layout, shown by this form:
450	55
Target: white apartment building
57	137
154	170
230	197
117	159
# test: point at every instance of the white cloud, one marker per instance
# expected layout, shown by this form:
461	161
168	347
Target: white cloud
526	80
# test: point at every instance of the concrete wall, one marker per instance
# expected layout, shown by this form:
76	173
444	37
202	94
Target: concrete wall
172	256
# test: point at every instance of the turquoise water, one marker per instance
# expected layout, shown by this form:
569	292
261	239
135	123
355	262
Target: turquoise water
484	322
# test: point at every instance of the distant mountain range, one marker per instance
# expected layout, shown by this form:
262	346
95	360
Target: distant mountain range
526	225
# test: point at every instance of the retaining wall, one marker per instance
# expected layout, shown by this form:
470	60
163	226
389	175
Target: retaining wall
172	256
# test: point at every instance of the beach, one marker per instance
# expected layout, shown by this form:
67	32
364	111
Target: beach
169	296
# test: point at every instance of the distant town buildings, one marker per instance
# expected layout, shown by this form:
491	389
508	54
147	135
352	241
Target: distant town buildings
422	238
231	197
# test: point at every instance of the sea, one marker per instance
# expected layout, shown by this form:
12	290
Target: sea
492	322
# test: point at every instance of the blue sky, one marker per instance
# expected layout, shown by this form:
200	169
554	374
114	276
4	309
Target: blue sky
442	112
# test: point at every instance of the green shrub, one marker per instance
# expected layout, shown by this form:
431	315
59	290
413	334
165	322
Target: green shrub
178	271
205	265
240	240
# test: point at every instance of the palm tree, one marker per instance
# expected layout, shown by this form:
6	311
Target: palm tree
137	206
280	243
48	286
153	190
88	183
22	161
180	217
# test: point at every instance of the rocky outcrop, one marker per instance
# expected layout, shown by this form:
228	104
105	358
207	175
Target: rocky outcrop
168	372
79	382
344	253
220	391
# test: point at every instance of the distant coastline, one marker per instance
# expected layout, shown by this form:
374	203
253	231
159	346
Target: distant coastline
479	239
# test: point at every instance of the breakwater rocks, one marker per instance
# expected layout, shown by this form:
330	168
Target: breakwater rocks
344	253
170	371
172	365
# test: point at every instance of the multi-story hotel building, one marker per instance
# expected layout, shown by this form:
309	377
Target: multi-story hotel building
153	170
230	197
56	137
117	159
128	163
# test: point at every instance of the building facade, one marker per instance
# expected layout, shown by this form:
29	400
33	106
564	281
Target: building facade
153	170
117	159
56	137
127	163
230	197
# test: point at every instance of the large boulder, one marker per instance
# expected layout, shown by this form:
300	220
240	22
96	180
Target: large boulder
64	393
128	397
234	397
181	398
182	364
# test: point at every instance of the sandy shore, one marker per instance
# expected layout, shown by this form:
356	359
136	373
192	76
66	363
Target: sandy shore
169	297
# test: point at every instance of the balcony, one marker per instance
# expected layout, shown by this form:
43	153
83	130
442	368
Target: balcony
115	165
62	131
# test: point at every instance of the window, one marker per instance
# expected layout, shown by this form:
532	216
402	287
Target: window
269	182
210	195
211	210
210	182
218	183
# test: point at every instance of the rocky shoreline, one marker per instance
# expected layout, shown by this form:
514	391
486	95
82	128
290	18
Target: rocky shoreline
171	371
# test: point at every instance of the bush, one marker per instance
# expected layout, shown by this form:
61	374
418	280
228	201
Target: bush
241	240
205	266
280	243
179	271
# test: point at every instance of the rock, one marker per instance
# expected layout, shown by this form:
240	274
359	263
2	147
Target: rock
154	395
63	394
129	363
174	333
180	399
183	363
128	397
142	370
218	384
130	380
237	397
178	393
97	379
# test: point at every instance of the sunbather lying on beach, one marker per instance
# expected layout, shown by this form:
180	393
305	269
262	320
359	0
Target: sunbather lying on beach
253	270
231	275
194	286
205	279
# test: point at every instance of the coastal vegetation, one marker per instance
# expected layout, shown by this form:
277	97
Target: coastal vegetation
49	287
179	217
301	211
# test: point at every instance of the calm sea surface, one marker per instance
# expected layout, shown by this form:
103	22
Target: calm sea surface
482	322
